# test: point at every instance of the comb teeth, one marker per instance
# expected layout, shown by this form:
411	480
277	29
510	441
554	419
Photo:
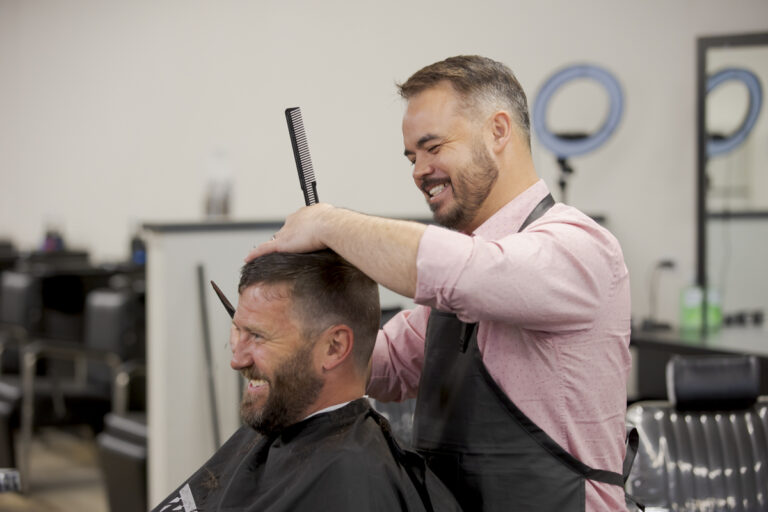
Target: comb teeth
301	154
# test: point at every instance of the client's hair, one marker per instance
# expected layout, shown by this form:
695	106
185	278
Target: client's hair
326	290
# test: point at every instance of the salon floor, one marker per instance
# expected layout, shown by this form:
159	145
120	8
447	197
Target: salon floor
65	476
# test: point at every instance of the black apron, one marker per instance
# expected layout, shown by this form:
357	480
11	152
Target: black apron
475	438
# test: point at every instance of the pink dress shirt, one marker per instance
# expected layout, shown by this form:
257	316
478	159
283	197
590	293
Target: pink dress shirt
553	310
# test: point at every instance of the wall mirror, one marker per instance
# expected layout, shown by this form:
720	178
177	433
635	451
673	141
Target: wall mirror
732	206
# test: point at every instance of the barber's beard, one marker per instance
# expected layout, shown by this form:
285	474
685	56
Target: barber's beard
292	388
470	187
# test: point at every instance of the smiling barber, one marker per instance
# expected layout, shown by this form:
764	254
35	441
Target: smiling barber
518	348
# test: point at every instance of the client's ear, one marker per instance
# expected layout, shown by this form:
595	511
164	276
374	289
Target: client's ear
337	343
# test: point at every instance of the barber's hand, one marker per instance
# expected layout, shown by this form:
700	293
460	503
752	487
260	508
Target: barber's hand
298	234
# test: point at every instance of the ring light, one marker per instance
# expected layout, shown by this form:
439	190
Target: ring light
752	83
563	147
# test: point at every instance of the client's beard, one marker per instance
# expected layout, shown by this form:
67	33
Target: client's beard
293	388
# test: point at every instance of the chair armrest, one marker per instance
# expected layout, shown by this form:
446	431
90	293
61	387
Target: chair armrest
123	376
132	368
41	348
11	335
13	332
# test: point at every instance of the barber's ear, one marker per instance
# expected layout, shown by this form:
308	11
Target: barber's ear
501	127
337	346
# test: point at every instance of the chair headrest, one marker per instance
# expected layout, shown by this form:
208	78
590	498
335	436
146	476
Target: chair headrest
707	383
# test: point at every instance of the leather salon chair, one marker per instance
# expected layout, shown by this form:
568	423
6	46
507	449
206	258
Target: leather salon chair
58	399
706	447
122	445
8	255
20	310
20	314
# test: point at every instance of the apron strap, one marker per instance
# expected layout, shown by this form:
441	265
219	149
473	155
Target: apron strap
604	476
633	440
466	334
540	209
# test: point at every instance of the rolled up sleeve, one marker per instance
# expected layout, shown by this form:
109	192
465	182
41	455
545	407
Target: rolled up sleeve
396	366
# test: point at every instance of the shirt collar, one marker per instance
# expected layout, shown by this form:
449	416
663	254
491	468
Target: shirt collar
331	408
512	215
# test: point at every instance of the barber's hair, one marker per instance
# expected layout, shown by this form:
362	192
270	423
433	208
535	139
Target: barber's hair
479	81
326	290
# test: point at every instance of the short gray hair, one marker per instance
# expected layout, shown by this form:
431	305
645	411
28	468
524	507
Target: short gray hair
476	79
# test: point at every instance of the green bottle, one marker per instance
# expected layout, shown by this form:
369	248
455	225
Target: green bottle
714	311
691	301
691	298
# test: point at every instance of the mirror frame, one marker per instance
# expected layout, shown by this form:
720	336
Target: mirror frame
704	44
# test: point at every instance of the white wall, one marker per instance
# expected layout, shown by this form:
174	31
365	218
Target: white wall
110	110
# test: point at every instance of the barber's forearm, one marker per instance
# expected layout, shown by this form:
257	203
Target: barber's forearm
385	249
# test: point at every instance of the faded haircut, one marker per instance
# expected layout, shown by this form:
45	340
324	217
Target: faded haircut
479	81
326	290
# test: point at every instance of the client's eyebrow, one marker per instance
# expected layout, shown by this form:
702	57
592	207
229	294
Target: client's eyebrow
253	331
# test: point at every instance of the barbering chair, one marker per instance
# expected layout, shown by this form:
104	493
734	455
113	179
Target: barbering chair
58	400
20	314
123	443
8	255
706	448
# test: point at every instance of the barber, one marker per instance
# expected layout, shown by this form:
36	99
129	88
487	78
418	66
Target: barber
518	349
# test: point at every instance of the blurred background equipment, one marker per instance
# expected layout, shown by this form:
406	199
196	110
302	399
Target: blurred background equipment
719	144
652	323
732	184
83	391
9	480
704	448
68	329
567	145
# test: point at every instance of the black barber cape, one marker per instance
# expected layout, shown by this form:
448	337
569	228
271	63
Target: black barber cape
342	460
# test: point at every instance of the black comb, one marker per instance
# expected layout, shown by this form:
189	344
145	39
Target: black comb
301	154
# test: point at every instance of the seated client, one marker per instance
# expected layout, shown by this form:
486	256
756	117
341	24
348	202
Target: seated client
302	337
